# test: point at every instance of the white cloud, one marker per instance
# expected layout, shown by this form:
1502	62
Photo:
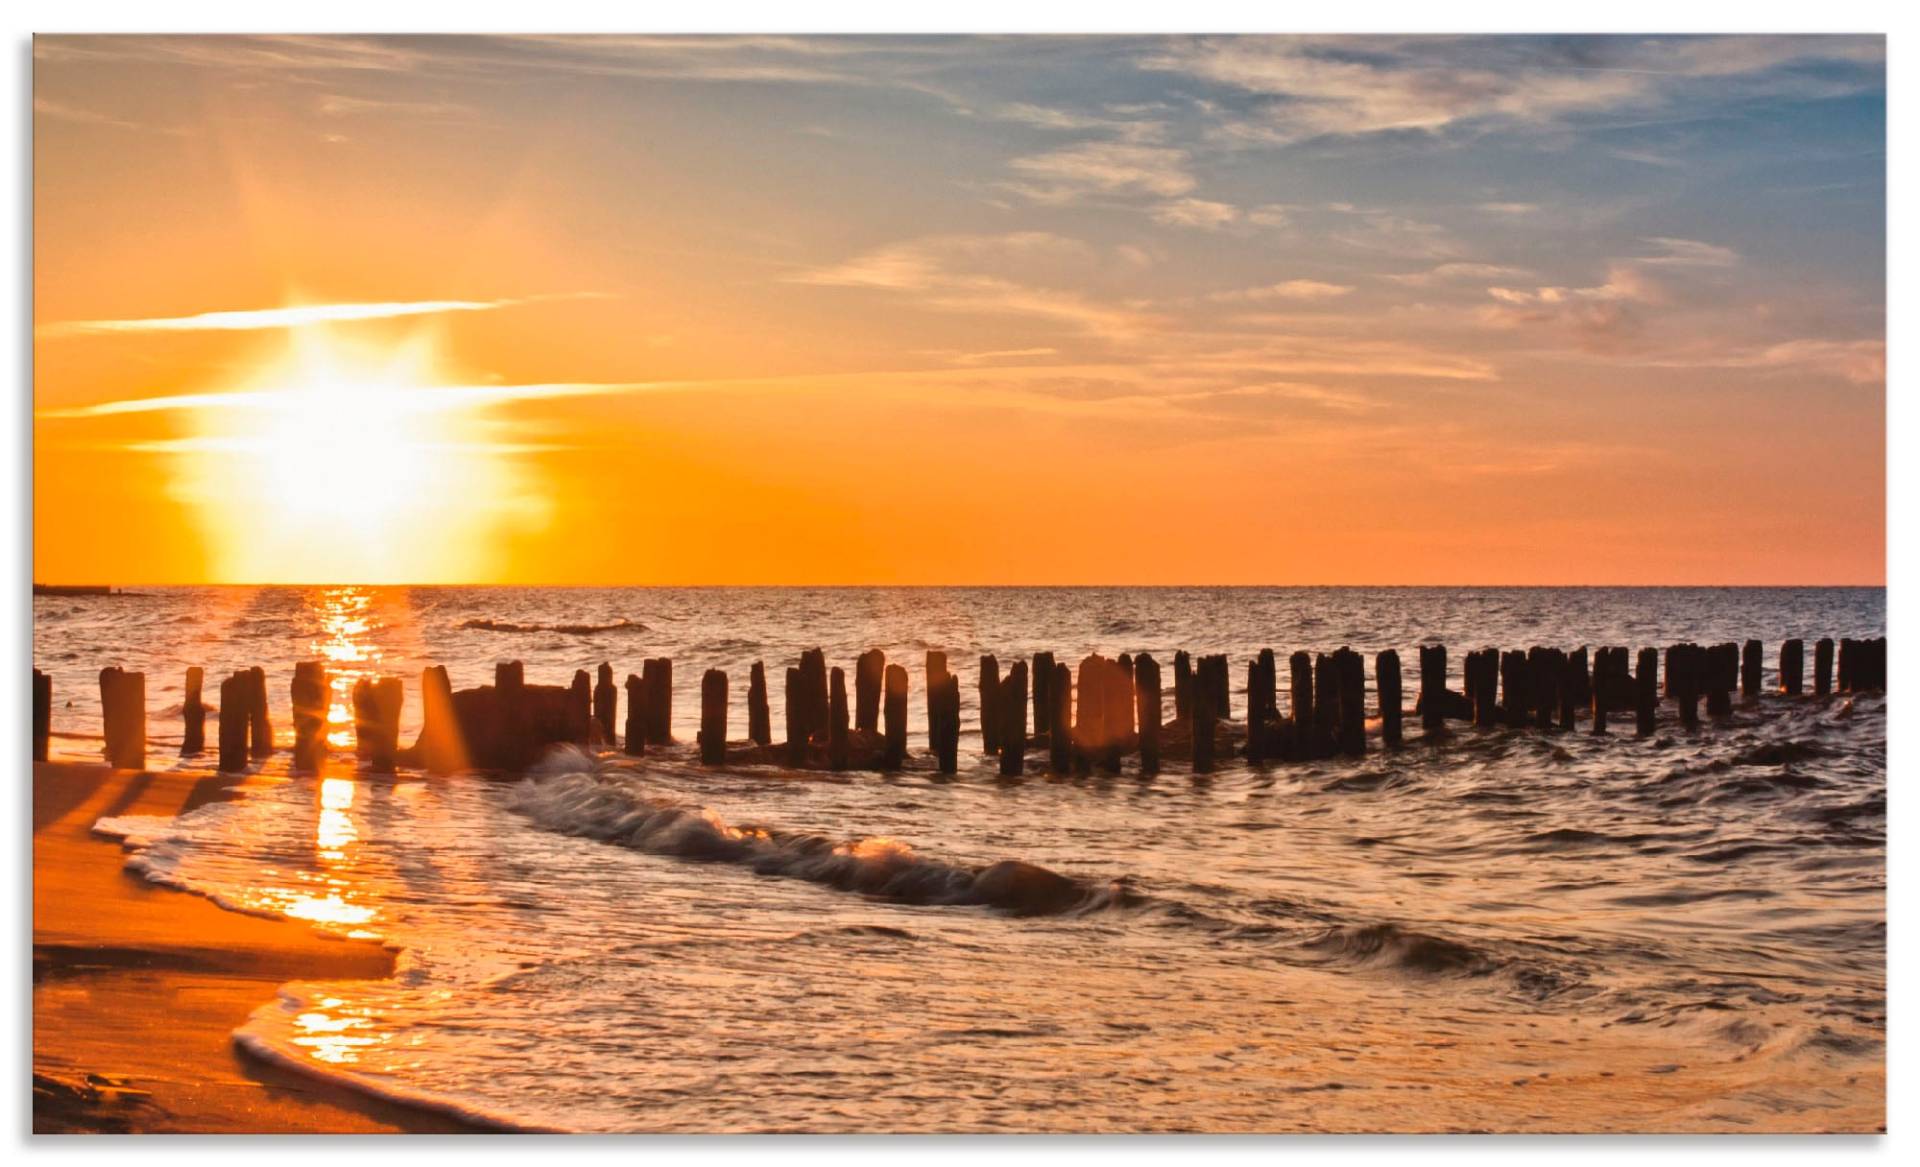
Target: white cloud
1103	168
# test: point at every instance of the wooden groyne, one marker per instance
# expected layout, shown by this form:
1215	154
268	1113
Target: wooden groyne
1091	717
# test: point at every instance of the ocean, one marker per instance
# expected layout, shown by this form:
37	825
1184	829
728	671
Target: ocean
1508	931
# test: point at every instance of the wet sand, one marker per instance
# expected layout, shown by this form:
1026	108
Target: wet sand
137	989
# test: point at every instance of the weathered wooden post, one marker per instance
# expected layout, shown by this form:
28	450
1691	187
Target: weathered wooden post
713	717
936	673
896	717
1090	722
234	704
813	688
309	694
1683	679
1013	723
606	701
1300	698
193	713
1793	667
796	721
1217	675
512	719
1823	666
759	717
580	709
1182	685
1601	695
1722	669
442	744
1256	730
636	739
1060	720
656	673
42	713
1040	677
1433	681
123	716
363	717
1146	697
259	725
1750	671
1543	685
1352	682
1515	692
389	698
1386	678
990	711
1326	706
1201	722
1573	685
1486	688
869	670
839	754
1646	691
947	697
1121	718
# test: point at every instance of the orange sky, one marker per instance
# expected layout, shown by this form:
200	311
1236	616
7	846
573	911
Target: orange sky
779	310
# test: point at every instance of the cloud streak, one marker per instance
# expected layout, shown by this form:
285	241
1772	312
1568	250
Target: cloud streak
289	316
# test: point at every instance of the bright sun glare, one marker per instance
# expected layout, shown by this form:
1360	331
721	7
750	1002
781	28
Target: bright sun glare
342	463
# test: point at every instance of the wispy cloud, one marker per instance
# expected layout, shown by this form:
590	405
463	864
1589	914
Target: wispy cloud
423	399
290	316
1286	290
1102	168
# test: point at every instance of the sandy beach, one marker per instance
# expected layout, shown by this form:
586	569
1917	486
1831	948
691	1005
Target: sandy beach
137	989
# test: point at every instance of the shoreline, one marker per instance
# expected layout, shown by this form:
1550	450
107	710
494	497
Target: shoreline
137	989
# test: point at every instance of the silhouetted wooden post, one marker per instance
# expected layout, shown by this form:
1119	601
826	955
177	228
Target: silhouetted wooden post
636	739
1040	677
259	725
1543	685
1722	669
813	688
42	713
1326	706
580	709
1182	686
389	698
193	716
1646	691
1516	700
1146	699
1256	731
1750	671
123	716
936	673
1013	721
1793	667
947	698
868	670
1601	696
1300	698
363	715
759	717
1060	720
713	717
442	743
1090	722
512	718
990	711
796	721
1352	682
234	704
1217	676
606	701
1683	678
1823	666
1121	717
1386	678
1573	685
1433	681
1202	723
839	755
309	694
896	717
1485	688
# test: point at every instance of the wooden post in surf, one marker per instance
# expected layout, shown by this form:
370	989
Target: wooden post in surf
1433	681
868	671
579	709
1146	699
1543	685
389	698
606	701
1721	666
1116	698
1040	677
813	691
442	744
1646	691
361	699
1600	695
1122	716
1515	696
1573	686
123	716
1090	729
759	717
1793	667
1182	686
42	713
1219	678
936	673
1300	699
796	727
1683	679
636	740
1256	730
1486	688
896	718
839	754
1750	671
1060	719
309	696
1386	678
1352	681
1201	722
990	711
713	717
1013	721
1823	666
947	697
193	715
233	722
259	725
657	674
502	748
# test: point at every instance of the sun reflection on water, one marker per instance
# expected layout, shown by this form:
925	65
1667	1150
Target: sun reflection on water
345	623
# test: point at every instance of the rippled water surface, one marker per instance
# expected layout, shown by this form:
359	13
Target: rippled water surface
1511	930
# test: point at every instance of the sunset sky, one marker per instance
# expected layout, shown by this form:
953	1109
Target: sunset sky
884	310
